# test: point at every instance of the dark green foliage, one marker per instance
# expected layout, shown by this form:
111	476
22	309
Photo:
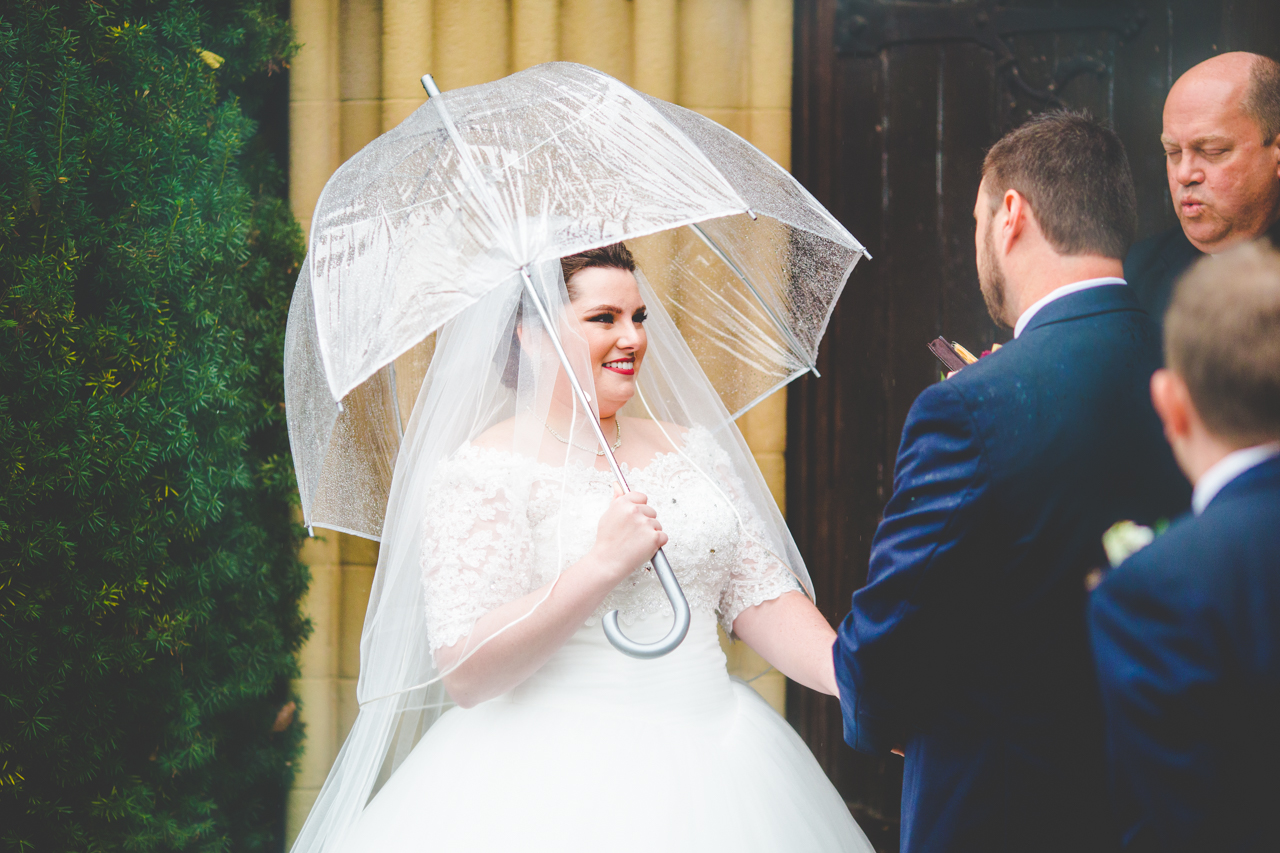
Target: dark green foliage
149	583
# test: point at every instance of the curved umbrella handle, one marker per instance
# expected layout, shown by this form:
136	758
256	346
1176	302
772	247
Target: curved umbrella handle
679	604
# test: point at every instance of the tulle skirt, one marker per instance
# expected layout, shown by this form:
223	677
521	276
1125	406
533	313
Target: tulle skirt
598	751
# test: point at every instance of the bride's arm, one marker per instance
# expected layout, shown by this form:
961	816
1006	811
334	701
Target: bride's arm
627	536
790	633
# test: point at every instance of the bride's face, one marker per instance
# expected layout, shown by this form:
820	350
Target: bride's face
611	314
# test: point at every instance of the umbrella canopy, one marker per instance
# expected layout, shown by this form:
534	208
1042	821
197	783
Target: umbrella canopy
559	159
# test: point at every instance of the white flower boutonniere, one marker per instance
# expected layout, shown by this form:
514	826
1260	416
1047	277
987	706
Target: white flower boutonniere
1124	539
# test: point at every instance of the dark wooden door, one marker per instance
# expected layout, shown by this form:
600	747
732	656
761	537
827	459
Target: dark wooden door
892	115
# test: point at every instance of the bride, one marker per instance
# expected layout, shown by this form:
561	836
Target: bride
521	543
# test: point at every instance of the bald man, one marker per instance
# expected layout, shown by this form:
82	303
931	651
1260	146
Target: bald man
1221	141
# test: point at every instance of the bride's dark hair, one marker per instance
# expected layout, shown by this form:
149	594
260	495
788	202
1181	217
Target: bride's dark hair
614	256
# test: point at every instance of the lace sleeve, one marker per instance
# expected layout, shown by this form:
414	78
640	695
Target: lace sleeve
757	574
476	545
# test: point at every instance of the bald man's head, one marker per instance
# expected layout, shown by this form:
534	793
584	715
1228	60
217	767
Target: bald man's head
1222	149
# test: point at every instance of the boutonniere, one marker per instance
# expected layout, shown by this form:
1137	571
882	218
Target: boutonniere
1121	541
1124	539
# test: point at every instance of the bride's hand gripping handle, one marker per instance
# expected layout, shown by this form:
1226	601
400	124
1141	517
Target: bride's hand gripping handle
524	633
667	577
627	536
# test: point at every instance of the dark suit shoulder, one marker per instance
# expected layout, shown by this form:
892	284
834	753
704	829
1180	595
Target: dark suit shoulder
1154	264
1158	249
1237	535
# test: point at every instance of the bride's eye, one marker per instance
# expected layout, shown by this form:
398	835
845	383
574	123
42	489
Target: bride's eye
605	317
640	316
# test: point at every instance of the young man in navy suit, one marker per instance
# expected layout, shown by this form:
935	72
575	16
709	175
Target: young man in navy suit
967	648
1187	631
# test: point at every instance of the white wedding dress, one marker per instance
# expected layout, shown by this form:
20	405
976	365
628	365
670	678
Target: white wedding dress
596	750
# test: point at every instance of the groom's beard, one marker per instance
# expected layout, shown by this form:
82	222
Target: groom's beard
991	279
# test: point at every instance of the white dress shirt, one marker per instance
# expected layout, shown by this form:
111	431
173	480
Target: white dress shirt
1065	290
1227	469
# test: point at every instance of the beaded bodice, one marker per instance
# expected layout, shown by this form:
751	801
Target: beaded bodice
499	525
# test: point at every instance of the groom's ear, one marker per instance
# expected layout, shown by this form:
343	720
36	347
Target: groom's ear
1014	222
1172	401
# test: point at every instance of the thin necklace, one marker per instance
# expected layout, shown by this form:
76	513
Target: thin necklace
617	426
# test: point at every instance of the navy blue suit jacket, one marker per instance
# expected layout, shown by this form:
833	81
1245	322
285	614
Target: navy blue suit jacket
968	644
1187	638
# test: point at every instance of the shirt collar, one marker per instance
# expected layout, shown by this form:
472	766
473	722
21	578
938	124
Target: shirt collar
1227	469
1065	290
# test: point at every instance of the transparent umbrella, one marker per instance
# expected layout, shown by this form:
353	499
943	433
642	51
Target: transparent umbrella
480	184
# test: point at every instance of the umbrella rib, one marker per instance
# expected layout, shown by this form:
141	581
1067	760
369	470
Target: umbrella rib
464	152
758	346
768	309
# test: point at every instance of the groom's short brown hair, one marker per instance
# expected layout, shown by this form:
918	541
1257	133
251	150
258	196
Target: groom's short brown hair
1074	174
1222	336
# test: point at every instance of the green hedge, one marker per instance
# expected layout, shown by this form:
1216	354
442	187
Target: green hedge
149	583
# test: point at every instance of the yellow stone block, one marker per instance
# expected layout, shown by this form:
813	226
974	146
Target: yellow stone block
535	33
360	51
713	54
742	662
774	468
598	33
321	549
313	152
472	42
356	583
313	73
318	710
319	657
656	35
770	131
739	121
299	806
397	110
766	424
348	708
407	54
358	551
773	687
770	26
361	123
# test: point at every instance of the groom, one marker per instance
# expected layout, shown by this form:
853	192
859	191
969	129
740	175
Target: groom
967	649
